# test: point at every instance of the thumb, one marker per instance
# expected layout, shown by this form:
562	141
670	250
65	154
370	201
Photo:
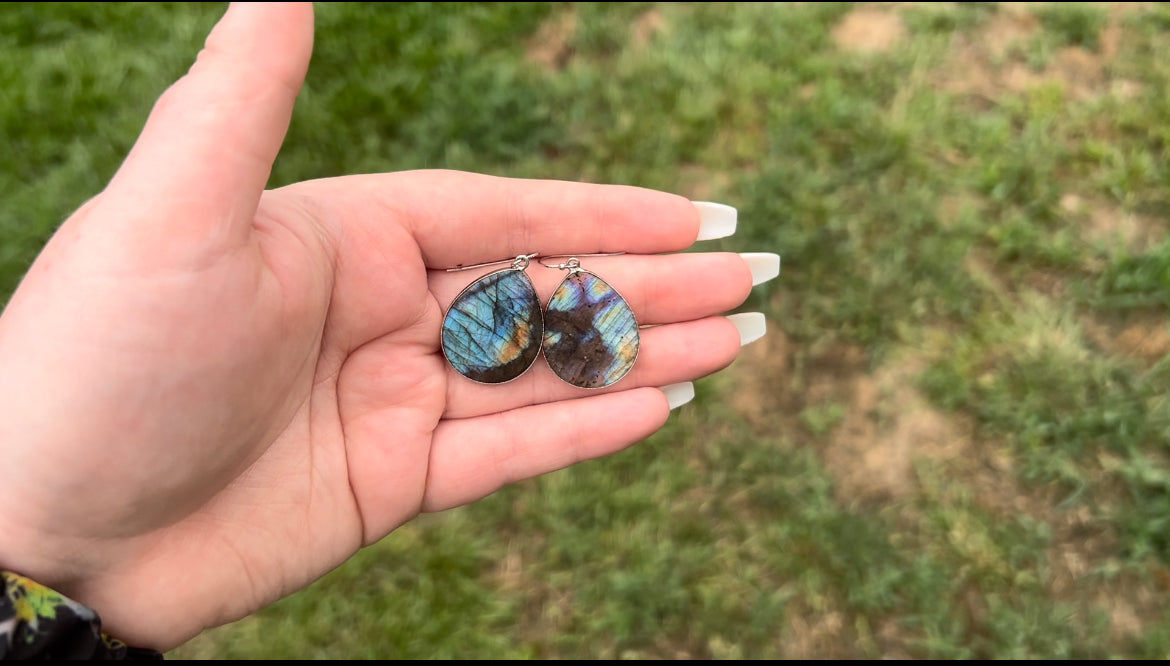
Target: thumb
207	148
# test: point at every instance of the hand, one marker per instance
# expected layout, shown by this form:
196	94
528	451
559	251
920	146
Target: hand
214	394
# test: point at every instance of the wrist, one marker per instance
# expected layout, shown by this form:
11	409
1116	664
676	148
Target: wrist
39	622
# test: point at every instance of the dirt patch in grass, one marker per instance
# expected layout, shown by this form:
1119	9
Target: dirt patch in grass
645	27
1108	224
548	609
1049	282
992	61
552	46
1133	601
980	265
974	67
953	206
884	423
767	397
1144	336
888	425
699	183
1011	26
869	30
818	635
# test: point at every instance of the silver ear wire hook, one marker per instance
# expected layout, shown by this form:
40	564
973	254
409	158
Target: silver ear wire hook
519	263
573	264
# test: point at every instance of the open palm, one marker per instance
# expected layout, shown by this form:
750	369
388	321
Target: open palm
214	394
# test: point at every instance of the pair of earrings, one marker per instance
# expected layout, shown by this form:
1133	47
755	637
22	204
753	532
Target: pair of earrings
494	329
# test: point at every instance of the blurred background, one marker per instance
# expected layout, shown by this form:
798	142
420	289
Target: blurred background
954	441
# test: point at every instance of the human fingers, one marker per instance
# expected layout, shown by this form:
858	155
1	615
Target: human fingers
669	354
459	218
472	458
204	156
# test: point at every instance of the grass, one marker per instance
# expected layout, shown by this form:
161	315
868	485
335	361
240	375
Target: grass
952	444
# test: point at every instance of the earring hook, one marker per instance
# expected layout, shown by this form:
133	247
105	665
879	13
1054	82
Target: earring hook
519	263
574	262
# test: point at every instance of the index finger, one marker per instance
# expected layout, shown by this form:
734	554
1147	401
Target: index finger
460	218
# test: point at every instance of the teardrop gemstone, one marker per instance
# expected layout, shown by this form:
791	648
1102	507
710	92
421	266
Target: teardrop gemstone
493	329
590	334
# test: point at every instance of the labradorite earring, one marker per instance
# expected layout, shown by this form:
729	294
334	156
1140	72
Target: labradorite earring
590	333
494	328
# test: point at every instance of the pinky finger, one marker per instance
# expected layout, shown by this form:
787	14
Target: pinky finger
472	458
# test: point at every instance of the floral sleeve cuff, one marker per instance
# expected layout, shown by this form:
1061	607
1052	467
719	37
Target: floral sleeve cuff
39	623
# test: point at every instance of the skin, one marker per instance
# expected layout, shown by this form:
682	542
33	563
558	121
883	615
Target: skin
213	394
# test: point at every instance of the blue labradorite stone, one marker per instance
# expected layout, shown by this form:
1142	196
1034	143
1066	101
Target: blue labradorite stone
590	334
492	332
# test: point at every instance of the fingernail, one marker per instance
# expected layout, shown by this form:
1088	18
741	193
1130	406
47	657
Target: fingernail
764	265
715	220
751	326
679	394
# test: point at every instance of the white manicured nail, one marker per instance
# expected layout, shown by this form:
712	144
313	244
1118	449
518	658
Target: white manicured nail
751	326
715	220
764	265
678	395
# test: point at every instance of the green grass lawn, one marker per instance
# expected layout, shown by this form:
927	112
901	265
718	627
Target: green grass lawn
953	443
